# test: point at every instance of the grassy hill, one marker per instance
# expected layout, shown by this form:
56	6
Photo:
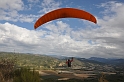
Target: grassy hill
41	61
31	60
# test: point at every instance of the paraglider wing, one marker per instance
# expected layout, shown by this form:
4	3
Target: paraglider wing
65	13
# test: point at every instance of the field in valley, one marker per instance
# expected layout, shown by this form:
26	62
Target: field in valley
64	75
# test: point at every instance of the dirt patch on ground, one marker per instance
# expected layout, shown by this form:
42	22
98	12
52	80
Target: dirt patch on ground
43	73
64	75
51	72
84	75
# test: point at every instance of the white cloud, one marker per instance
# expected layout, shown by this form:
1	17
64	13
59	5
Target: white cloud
18	38
60	39
23	40
31	4
27	18
113	14
49	5
10	11
11	5
32	1
15	16
111	27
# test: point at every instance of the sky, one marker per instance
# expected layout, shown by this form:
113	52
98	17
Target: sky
70	37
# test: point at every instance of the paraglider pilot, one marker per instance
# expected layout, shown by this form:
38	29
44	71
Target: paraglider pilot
68	62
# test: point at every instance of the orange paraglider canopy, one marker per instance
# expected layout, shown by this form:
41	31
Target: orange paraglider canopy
64	13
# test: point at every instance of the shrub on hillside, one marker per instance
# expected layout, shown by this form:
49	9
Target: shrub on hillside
26	75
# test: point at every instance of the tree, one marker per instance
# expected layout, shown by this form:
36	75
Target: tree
6	69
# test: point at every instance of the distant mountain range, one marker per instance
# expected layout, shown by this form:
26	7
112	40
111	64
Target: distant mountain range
116	62
58	57
91	61
97	60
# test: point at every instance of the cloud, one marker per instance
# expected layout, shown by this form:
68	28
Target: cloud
14	16
31	4
49	5
111	27
113	24
32	1
24	40
27	18
18	38
11	5
10	11
59	38
16	10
